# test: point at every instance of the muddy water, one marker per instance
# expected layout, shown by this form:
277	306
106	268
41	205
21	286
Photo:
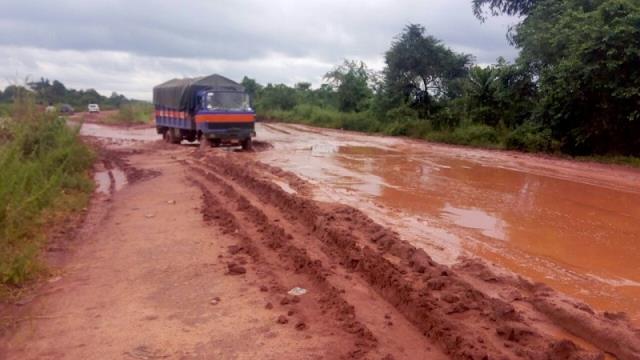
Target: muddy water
105	178
122	134
573	226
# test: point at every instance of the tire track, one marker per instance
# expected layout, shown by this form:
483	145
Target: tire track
466	323
259	237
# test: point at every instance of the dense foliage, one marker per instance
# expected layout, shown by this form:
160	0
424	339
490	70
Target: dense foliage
589	87
574	88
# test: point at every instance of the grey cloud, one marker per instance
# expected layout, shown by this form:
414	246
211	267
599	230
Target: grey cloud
277	40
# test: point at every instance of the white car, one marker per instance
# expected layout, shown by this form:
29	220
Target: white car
93	108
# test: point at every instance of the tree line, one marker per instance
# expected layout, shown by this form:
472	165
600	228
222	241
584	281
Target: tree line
55	92
574	87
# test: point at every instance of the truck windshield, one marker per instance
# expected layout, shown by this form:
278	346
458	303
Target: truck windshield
227	101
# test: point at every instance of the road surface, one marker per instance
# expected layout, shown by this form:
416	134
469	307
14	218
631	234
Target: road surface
327	245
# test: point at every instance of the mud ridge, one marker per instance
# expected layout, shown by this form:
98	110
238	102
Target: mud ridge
276	239
612	333
465	322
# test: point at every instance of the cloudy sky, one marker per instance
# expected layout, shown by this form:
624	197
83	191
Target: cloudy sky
129	46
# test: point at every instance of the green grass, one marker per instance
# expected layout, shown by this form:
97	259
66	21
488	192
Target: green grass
133	113
44	174
477	135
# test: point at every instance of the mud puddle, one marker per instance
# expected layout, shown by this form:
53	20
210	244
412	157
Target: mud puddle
109	180
118	133
571	225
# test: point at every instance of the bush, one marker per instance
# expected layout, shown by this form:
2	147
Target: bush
414	128
402	114
133	113
325	117
446	118
529	137
468	134
42	161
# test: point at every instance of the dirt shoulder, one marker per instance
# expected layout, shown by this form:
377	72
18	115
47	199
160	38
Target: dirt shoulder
196	256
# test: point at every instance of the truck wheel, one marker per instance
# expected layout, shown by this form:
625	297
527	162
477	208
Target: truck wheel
173	138
166	136
247	144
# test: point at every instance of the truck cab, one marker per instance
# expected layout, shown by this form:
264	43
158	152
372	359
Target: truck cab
225	117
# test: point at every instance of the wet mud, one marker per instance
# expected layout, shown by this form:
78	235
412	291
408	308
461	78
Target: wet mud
465	312
389	240
571	225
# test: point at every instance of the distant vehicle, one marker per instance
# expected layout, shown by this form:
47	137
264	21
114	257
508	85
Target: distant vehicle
93	108
66	109
211	109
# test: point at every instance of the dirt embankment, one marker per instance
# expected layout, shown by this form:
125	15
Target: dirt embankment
467	312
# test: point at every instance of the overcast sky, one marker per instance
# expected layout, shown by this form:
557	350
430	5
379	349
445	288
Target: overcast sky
130	46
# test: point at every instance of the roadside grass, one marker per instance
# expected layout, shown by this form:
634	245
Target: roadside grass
132	114
465	134
613	159
525	138
44	176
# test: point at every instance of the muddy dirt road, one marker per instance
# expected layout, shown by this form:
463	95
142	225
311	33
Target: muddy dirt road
574	226
329	245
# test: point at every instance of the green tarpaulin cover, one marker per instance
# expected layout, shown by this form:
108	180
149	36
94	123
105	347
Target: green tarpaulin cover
180	94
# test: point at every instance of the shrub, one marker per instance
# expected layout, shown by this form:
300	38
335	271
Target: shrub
402	114
133	113
468	134
529	137
325	117
413	128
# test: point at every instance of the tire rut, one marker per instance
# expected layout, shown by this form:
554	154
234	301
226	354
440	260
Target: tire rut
227	208
372	310
466	323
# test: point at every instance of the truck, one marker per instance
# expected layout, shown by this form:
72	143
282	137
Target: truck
211	109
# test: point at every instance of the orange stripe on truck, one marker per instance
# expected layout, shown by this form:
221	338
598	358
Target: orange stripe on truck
223	118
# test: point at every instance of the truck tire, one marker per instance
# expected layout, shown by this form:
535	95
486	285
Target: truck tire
247	144
173	138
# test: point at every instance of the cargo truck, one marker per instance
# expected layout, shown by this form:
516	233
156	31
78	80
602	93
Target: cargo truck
211	109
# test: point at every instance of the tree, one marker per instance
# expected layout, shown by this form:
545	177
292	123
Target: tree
251	87
481	91
278	96
500	94
507	7
351	82
324	96
42	88
590	91
11	91
58	90
422	69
